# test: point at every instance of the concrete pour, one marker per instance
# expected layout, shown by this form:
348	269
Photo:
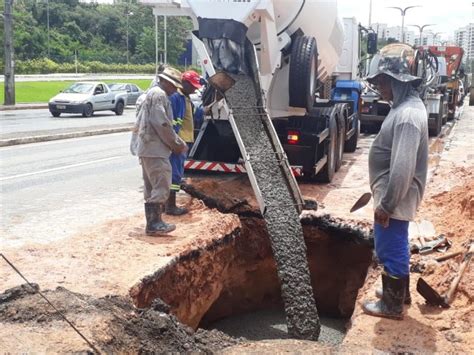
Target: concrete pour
281	218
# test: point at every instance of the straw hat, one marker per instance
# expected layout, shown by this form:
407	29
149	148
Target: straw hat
171	75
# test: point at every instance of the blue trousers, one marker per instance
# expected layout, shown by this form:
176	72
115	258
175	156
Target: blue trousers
177	168
391	247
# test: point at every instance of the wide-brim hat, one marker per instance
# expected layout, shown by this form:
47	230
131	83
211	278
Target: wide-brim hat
395	60
171	75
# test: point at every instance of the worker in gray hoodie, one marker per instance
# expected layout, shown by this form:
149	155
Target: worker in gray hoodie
398	164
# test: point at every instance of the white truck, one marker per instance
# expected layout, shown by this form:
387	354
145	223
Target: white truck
298	45
87	97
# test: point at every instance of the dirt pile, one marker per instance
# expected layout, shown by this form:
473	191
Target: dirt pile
452	212
111	323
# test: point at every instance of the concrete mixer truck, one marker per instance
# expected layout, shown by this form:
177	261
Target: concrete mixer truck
265	62
298	45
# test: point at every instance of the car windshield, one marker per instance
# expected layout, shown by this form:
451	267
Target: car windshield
79	88
118	87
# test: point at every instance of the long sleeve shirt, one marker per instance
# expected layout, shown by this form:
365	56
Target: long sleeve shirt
154	136
398	160
178	105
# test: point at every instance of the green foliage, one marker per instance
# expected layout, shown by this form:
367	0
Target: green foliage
45	66
96	32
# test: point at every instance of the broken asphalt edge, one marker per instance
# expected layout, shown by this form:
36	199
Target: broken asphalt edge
53	137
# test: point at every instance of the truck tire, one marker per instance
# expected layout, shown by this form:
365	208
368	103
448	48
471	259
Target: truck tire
303	72
119	108
327	173
351	144
436	130
55	113
88	110
341	139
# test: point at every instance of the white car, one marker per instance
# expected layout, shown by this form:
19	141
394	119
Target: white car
86	98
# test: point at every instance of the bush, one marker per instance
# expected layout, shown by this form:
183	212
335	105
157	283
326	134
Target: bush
47	66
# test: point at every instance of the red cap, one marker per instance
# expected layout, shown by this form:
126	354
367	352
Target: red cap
193	78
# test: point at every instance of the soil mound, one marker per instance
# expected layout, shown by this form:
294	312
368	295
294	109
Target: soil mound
111	323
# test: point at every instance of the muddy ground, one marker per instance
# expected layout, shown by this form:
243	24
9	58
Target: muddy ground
101	273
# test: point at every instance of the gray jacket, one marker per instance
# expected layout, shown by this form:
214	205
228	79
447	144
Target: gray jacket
398	160
153	135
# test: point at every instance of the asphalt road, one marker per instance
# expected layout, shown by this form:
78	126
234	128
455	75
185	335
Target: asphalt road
18	123
54	189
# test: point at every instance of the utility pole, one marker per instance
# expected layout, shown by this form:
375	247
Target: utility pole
403	12
166	39
9	97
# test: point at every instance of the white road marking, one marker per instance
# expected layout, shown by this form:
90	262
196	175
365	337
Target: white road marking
61	168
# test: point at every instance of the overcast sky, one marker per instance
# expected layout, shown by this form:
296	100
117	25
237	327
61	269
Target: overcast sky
448	15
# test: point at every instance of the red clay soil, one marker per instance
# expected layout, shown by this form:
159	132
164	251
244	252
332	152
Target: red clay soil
449	205
111	258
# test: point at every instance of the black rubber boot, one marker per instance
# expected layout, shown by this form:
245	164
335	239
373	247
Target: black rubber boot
407	301
154	223
391	304
171	207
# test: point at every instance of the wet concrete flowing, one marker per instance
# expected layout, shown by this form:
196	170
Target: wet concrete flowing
270	324
281	216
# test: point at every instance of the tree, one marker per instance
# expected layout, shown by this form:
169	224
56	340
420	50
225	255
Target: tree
97	31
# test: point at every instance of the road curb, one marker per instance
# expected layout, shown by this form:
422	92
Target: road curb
54	137
23	107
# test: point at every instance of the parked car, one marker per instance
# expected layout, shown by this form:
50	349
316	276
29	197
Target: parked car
86	98
132	90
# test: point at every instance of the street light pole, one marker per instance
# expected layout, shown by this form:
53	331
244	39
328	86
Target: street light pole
129	13
156	44
421	28
127	37
47	20
166	39
370	14
434	37
403	12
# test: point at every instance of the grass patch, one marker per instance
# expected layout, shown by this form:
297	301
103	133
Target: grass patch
42	91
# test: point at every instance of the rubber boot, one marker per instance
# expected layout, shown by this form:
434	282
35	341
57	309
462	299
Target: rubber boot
407	301
154	223
171	207
391	303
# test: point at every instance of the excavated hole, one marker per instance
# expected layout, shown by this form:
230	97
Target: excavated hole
232	284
